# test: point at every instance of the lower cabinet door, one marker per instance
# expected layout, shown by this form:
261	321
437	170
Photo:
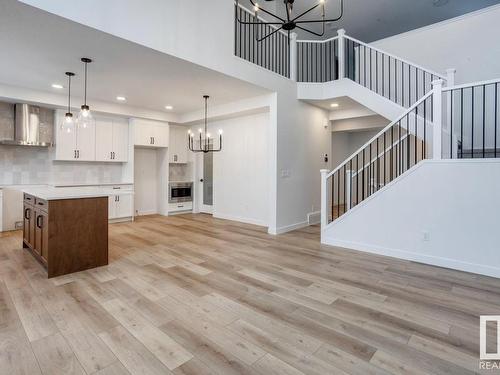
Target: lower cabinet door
124	206
42	234
112	206
28	225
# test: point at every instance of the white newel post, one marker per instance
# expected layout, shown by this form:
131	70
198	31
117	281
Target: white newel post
348	182
293	56
341	33
324	198
450	77
437	118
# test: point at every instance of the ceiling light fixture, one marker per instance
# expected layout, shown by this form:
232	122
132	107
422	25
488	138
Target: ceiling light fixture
334	105
57	86
169	107
85	117
121	98
206	141
289	23
68	122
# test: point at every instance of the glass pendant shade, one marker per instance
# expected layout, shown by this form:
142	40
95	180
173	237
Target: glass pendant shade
85	118
68	123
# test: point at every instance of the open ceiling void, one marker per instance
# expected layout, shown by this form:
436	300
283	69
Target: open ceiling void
376	19
40	47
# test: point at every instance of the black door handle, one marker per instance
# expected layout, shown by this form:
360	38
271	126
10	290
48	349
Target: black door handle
38	221
201	179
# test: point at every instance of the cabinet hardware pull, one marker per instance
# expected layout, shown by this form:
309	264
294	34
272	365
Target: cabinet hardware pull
74	157
39	223
26	216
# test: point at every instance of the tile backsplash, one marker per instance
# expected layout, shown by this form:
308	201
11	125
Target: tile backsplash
32	165
180	172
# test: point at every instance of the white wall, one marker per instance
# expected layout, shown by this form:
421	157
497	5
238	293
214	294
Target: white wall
241	170
468	43
344	144
456	202
202	32
145	181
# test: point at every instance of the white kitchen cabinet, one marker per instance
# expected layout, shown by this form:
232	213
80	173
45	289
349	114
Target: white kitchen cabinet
120	206
150	133
178	148
79	144
111	140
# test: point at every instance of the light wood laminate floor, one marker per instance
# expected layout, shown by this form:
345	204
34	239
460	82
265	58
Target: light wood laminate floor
191	294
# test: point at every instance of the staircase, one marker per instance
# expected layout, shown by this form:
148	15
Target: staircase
436	125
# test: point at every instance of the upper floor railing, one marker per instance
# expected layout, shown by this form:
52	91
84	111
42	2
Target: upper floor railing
320	61
260	44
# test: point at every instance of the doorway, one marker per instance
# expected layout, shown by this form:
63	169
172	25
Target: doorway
206	196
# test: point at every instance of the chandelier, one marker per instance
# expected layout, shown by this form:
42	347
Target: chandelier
291	22
205	139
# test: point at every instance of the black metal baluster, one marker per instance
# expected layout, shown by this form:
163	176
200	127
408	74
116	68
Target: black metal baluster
363	177
357	178
370	172
392	153
376	70
473	103
416	133
484	120
378	168
424	151
407	142
462	124
389	82
496	117
338	193
451	124
396	81
350	184
371	68
345	198
383	75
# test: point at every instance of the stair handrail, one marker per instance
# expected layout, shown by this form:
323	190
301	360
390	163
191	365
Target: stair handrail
374	138
472	84
440	76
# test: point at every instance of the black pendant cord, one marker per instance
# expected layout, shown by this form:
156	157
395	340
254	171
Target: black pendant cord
69	74
85	90
86	61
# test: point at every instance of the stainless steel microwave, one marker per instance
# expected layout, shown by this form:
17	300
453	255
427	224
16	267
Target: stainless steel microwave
180	192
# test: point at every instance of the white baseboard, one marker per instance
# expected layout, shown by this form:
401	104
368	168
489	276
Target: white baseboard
289	228
314	218
480	269
147	212
240	219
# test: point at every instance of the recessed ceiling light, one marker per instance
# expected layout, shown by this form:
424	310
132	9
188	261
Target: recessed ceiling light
121	98
57	86
334	105
169	107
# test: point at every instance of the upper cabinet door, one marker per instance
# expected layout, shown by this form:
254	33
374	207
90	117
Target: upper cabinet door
85	141
160	136
65	141
182	145
143	132
120	141
65	144
104	140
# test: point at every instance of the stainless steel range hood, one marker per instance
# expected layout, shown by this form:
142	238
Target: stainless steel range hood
33	126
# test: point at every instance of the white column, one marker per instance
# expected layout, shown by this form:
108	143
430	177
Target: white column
437	116
324	198
341	33
450	77
348	182
293	56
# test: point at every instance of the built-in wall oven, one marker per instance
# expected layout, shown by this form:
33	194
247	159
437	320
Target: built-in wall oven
180	192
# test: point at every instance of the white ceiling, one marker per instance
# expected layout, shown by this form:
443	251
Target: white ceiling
370	20
38	47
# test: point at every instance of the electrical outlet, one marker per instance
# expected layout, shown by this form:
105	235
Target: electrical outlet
426	236
285	173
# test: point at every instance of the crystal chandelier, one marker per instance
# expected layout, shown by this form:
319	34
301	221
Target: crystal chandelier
290	22
206	141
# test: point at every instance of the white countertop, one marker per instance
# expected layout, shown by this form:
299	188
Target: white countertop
51	193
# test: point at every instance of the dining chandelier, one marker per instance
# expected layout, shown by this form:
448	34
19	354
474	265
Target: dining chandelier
206	142
291	22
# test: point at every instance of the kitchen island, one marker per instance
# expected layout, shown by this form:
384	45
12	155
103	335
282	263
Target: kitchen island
66	230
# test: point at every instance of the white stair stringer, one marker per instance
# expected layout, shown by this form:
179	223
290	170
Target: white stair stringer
419	216
346	87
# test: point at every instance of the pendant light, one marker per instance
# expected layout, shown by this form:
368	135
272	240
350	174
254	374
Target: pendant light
68	121
85	116
206	142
